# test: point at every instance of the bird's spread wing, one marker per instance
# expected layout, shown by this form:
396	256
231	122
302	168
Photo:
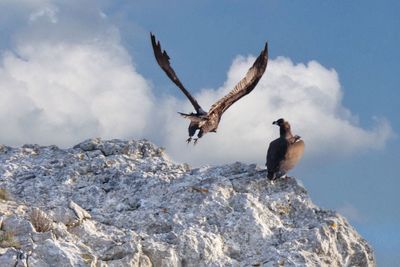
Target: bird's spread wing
245	86
163	60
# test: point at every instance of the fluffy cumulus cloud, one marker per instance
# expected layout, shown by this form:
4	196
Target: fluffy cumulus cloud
68	78
307	95
65	92
65	87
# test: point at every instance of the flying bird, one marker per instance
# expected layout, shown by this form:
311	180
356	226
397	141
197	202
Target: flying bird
208	121
284	152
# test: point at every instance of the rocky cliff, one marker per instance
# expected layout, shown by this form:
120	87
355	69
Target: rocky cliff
124	203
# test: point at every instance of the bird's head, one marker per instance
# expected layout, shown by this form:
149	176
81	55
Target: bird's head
284	127
279	122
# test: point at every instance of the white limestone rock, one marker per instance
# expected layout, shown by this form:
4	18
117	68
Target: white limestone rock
8	256
80	213
124	203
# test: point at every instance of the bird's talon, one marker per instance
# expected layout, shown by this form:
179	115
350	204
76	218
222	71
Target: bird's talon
195	141
188	140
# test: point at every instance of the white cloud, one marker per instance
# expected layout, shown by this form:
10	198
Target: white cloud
24	10
48	12
309	96
60	86
66	92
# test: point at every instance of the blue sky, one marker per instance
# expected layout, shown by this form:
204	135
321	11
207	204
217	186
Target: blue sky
81	69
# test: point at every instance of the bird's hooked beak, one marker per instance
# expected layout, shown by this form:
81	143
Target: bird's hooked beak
279	122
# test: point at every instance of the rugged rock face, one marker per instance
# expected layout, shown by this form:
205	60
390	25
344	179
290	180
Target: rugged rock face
124	203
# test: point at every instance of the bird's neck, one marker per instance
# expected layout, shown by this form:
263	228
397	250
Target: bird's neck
285	133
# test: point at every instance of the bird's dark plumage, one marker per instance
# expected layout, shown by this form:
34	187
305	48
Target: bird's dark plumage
284	152
208	121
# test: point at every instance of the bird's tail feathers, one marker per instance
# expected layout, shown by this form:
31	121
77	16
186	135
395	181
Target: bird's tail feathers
191	116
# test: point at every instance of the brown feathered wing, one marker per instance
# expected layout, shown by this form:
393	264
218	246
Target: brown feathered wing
276	154
245	86
293	155
163	60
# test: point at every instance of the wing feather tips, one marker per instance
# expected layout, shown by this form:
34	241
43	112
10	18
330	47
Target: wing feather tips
154	43
264	52
266	48
156	47
160	54
165	55
262	59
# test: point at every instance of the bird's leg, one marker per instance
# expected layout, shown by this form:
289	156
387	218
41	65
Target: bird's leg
199	135
192	130
271	175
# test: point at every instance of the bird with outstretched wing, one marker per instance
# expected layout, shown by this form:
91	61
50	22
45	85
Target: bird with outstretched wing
208	121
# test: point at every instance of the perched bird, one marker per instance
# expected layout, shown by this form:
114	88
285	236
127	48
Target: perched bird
208	121
284	152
